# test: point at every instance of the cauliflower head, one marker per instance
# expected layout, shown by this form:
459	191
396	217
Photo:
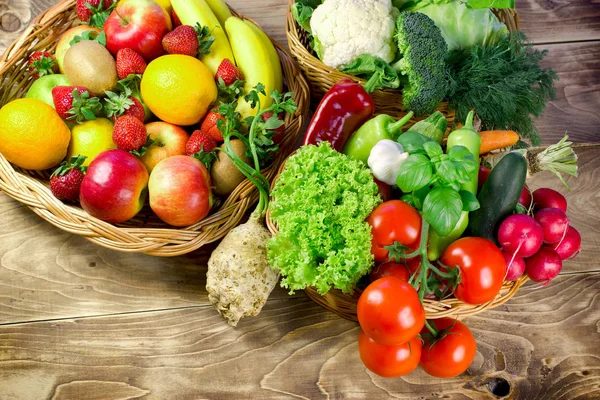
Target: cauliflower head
346	29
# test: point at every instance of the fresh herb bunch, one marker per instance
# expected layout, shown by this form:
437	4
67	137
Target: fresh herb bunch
505	84
431	181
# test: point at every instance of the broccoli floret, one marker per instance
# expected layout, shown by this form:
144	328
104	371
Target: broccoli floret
423	63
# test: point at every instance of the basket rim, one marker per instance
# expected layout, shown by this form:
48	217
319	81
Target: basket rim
34	192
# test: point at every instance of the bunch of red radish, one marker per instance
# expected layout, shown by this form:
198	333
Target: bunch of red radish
538	245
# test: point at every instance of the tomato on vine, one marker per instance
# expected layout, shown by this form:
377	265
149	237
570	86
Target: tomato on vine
482	269
390	268
451	349
389	361
394	223
390	312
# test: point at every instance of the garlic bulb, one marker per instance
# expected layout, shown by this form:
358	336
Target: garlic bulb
385	160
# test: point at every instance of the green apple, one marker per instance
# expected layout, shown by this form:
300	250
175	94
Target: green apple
42	88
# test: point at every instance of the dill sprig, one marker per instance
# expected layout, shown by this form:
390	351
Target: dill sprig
505	85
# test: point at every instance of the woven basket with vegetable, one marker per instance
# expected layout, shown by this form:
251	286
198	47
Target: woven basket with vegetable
408	64
103	114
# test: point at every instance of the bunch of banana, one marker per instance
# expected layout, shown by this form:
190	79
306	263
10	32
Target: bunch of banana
256	58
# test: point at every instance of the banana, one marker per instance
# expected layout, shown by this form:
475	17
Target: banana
273	56
191	12
220	9
253	61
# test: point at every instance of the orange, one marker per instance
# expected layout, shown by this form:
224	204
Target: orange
32	135
178	89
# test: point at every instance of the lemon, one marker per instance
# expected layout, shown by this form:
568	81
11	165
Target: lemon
178	89
90	139
32	135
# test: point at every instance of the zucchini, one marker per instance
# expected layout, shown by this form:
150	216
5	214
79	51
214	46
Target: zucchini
498	196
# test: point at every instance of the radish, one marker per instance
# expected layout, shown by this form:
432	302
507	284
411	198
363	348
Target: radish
525	199
549	198
554	222
520	235
570	245
515	266
544	265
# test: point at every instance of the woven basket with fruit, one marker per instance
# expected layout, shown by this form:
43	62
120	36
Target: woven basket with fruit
112	113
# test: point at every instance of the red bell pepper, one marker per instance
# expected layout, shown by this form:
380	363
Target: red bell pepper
343	109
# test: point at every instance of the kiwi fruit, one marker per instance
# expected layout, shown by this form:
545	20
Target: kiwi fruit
90	65
224	174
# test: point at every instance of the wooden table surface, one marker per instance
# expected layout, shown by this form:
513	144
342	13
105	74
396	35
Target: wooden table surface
78	321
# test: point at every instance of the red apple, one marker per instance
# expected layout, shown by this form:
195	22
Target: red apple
138	25
114	187
180	190
169	141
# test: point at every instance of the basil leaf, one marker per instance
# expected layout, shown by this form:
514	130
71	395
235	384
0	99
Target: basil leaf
465	163
447	171
442	209
419	196
415	172
470	202
433	149
459	153
408	198
412	141
490	4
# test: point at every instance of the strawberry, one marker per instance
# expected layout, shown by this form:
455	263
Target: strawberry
94	12
129	62
65	181
75	103
42	63
129	133
209	125
175	19
200	141
278	132
227	72
188	40
116	105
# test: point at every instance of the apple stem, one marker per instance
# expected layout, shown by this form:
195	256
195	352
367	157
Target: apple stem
123	19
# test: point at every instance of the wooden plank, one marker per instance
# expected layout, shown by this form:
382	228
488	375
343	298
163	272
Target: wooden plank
559	21
47	273
543	343
15	15
576	108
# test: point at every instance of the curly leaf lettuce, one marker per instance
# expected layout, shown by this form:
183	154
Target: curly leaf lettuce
320	203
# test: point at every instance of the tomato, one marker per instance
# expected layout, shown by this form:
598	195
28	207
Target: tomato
389	361
390	312
482	269
390	268
394	221
453	353
483	175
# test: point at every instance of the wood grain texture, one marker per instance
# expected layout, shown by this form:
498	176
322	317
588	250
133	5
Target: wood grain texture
15	15
543	343
576	108
552	21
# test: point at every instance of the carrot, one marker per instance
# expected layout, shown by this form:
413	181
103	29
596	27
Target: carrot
496	140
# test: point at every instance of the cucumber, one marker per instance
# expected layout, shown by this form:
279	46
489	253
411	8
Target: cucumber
498	196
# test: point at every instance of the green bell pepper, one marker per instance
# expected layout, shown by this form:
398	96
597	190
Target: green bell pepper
437	244
434	127
378	128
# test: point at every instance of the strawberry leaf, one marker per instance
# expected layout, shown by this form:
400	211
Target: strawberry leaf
205	38
206	157
227	94
142	150
74	162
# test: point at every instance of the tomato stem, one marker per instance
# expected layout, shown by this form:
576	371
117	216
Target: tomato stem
431	329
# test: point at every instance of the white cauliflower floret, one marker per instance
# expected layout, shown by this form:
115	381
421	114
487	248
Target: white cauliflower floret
347	29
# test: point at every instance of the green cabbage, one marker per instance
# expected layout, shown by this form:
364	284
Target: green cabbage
463	27
319	204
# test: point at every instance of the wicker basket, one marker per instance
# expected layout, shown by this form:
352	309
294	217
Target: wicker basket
345	304
145	233
322	77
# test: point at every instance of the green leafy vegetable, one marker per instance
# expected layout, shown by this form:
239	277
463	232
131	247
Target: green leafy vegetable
378	73
505	84
442	208
490	4
320	203
302	11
